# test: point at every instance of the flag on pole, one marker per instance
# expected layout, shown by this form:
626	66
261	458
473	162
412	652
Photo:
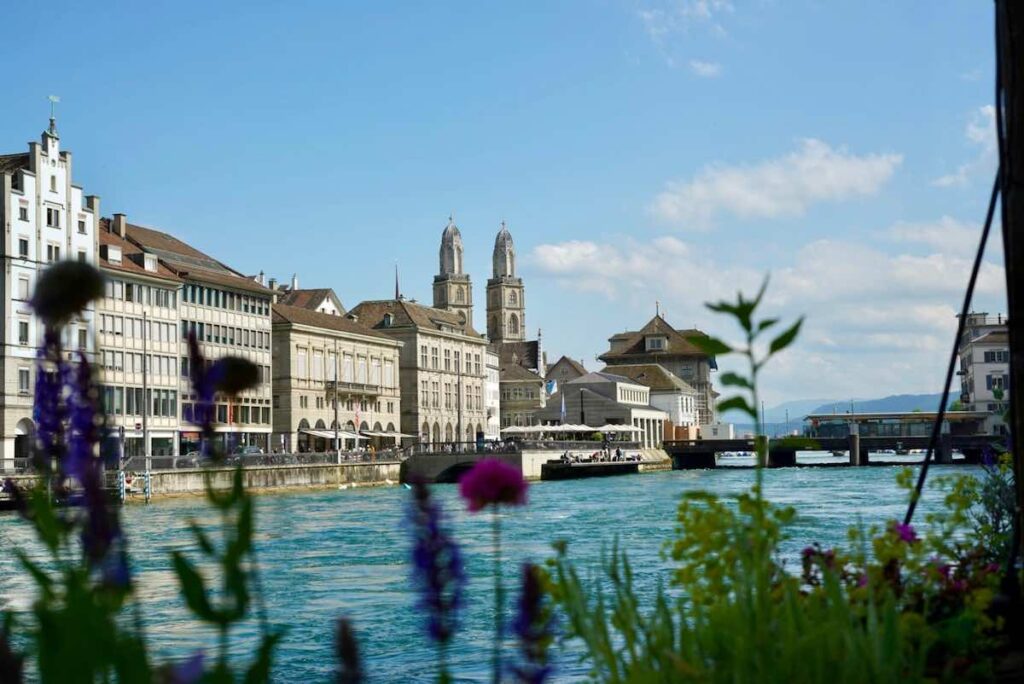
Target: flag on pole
563	408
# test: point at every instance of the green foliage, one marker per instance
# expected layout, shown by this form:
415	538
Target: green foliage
896	609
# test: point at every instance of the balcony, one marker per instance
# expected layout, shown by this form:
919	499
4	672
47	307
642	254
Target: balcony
355	388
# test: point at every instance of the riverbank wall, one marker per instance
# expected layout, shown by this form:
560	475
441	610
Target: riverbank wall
192	482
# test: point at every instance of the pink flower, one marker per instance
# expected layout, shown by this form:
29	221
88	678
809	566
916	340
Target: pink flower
492	482
904	532
862	581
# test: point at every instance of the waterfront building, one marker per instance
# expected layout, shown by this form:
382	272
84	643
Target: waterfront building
492	395
522	395
441	368
330	371
984	351
323	300
230	316
453	290
668	392
596	399
659	343
562	371
46	218
137	346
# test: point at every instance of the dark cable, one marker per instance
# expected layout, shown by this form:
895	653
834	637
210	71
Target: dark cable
937	425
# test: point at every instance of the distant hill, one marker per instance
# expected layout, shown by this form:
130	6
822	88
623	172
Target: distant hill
775	416
897	402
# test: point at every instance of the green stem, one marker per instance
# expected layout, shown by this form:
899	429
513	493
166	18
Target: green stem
498	596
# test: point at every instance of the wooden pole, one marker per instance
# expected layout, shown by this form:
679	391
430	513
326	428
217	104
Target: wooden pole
1010	31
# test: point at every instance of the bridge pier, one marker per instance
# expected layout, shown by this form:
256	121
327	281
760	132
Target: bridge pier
781	458
694	460
857	457
944	452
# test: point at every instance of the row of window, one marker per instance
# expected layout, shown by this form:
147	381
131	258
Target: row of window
634	396
430	396
347	405
52	251
509	393
132	401
231	414
997	382
472	361
132	328
141	294
130	362
263	372
226	334
224	299
354	368
1002	356
69	334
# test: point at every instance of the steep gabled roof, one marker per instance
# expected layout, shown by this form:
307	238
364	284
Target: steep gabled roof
283	313
677	341
311	298
188	262
572	363
407	313
132	257
653	376
595	377
515	373
13	162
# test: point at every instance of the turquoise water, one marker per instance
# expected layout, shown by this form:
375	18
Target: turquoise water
332	553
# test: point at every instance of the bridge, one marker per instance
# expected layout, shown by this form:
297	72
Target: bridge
696	453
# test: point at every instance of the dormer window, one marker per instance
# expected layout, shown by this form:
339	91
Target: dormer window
657	343
150	262
113	254
389	320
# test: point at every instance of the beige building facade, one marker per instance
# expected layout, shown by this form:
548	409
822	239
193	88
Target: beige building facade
331	372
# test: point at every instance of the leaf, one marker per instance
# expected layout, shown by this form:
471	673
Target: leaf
737	403
766	323
710	345
193	588
43	581
205	545
734	380
786	338
760	293
259	671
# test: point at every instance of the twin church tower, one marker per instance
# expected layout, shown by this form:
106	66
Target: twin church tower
506	303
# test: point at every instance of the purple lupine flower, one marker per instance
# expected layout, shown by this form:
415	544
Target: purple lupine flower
64	289
905	533
82	430
187	671
48	409
532	625
988	456
202	385
437	566
862	581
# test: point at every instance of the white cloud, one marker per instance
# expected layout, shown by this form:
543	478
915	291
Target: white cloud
947	235
786	185
877	322
705	69
666	20
980	132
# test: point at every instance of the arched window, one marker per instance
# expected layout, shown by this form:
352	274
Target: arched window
513	325
437	433
448	432
424	432
320	425
460	295
303	424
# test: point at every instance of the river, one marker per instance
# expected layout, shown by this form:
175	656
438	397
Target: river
331	553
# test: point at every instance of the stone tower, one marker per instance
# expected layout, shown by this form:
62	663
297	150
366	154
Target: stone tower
506	301
452	289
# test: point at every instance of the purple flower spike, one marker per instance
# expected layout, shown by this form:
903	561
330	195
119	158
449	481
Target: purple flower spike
532	625
905	533
491	483
437	567
188	671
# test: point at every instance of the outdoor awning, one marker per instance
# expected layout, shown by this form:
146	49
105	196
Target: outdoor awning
329	434
618	428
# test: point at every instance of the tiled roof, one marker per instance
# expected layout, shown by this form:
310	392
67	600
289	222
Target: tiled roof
407	313
513	372
593	377
994	337
283	313
678	341
132	260
652	375
13	162
188	262
575	365
310	299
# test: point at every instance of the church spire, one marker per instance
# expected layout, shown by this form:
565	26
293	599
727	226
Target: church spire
504	259
451	249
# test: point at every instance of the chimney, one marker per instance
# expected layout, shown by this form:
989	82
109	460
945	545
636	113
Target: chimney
273	283
295	281
119	224
261	278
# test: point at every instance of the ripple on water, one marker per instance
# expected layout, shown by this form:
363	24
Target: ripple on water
332	553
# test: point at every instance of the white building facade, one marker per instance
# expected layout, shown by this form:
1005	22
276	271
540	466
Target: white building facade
492	396
985	368
46	218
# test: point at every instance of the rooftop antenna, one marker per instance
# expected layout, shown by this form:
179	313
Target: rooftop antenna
397	291
54	99
657	308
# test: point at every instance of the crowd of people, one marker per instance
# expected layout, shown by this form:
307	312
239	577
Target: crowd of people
605	455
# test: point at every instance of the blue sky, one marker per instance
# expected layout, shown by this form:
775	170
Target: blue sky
668	151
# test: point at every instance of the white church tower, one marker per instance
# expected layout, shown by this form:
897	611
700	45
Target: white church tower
452	288
506	301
